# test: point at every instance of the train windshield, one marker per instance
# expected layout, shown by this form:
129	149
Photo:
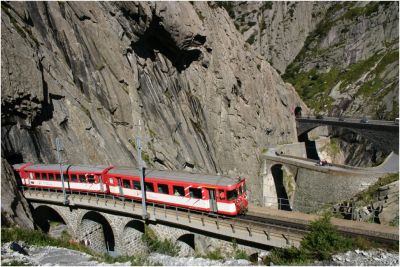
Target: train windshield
232	195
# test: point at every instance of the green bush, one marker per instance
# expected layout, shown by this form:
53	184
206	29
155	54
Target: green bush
324	240
241	254
215	254
320	243
161	246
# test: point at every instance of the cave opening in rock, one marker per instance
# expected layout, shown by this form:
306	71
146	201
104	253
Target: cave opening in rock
157	38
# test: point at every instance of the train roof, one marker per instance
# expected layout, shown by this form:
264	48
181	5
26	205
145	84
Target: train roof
67	168
167	175
178	176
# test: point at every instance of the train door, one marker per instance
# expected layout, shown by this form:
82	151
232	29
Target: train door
213	199
120	187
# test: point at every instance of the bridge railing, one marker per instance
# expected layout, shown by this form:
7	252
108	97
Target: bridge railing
363	119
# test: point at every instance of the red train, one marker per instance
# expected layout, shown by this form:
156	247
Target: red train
210	193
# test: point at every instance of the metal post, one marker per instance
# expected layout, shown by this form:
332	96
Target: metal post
141	169
58	147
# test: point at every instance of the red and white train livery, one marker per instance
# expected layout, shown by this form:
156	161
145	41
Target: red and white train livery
210	193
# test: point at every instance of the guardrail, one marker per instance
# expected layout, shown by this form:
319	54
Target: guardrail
362	119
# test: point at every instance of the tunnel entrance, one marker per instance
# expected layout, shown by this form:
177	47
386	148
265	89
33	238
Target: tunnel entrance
283	200
49	221
96	233
297	112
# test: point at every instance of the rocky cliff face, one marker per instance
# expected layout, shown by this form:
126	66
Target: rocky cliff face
14	207
341	57
349	64
91	72
277	30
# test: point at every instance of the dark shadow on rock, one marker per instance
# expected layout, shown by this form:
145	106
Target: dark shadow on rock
157	38
311	148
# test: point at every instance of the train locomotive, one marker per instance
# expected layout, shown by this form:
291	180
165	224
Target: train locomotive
201	192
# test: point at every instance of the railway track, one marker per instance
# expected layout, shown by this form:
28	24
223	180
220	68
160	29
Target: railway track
301	221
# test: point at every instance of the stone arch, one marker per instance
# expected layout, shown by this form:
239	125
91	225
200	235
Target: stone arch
96	232
131	239
186	244
279	174
45	217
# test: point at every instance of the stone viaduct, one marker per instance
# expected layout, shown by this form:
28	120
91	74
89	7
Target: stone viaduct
107	224
104	231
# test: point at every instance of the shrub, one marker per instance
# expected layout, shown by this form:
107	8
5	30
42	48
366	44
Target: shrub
161	246
324	240
215	254
241	254
320	243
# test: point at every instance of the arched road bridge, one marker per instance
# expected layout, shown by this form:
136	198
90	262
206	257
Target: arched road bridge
385	134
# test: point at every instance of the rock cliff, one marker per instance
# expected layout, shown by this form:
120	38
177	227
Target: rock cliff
277	30
14	207
342	58
99	74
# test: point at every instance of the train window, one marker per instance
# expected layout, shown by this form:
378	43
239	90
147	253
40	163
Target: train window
232	194
91	179
58	177
74	178
136	185
222	195
195	192
240	190
149	187
37	176
179	190
82	178
126	183
163	189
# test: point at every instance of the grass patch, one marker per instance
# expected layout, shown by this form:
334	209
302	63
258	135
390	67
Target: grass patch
241	255
15	263
333	147
38	238
355	71
368	195
215	254
160	246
